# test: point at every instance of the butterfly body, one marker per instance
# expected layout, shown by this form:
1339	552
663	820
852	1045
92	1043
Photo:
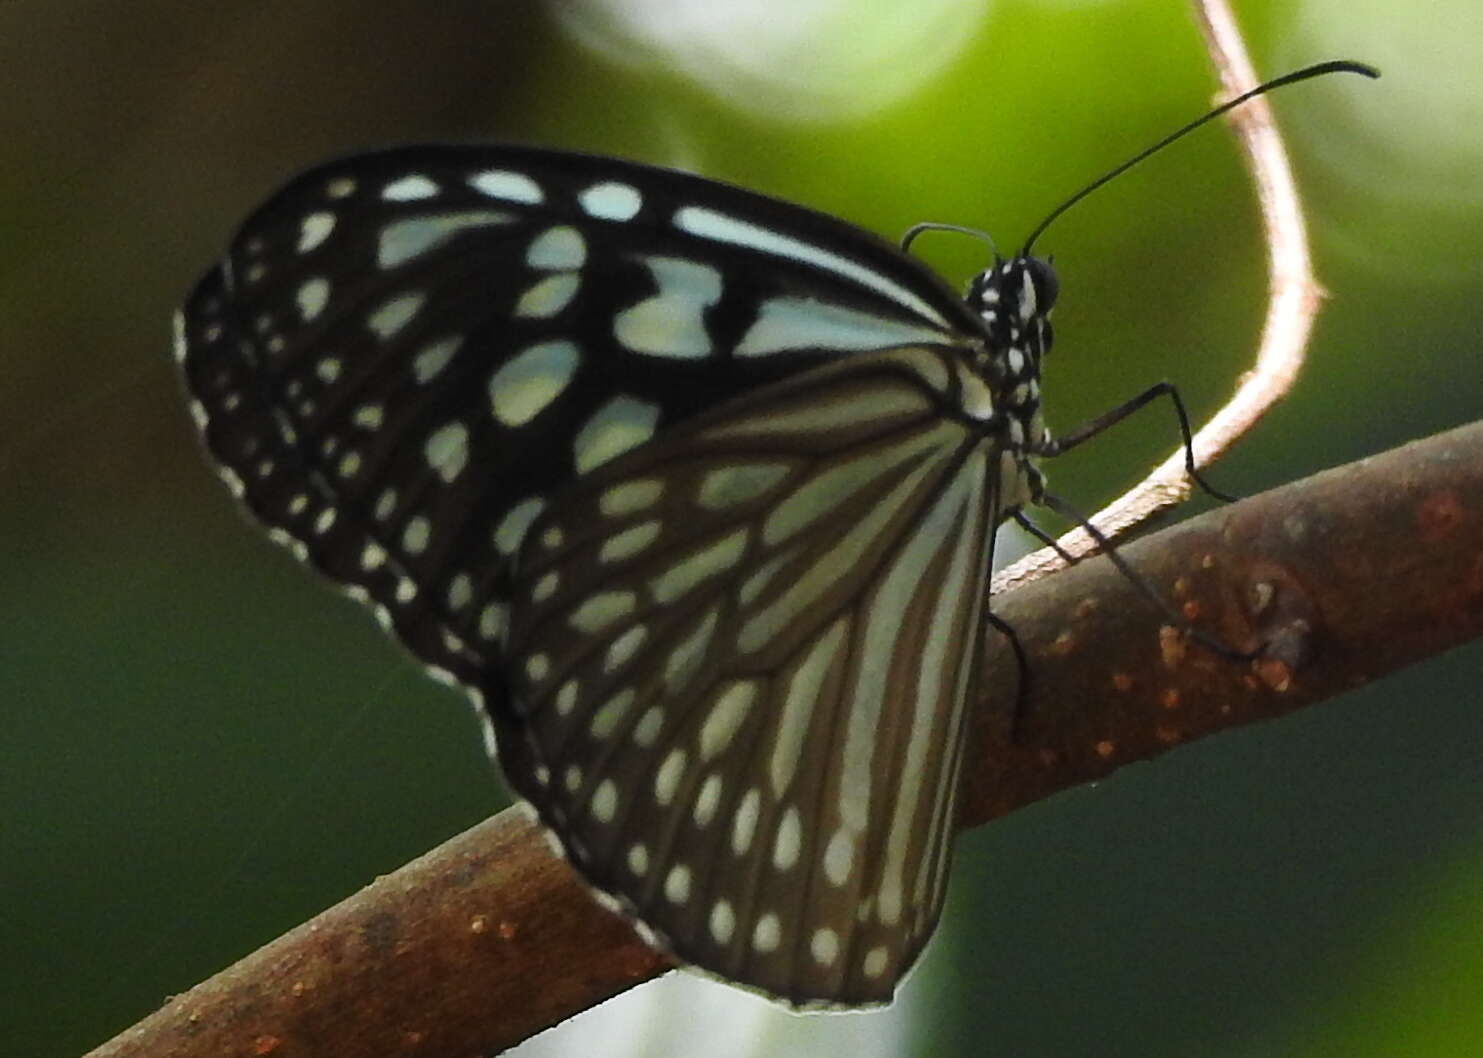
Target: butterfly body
692	490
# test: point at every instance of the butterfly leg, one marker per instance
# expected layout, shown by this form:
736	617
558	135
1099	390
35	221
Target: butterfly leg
1022	664
1177	619
1113	416
1023	521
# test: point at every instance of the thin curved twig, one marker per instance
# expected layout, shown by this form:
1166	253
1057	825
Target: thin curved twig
1293	299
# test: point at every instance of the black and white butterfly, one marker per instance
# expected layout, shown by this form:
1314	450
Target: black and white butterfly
693	491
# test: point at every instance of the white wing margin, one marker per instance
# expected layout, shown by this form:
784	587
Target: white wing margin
779	603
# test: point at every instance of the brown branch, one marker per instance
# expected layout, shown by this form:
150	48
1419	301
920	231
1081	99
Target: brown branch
1293	300
489	939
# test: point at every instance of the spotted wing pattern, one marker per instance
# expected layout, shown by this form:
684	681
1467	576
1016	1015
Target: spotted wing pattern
693	492
745	658
403	353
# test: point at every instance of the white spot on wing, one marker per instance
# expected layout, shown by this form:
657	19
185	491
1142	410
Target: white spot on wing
824	946
685	658
630	497
722	921
395	314
788	840
671	323
646	731
622	423
460	592
802	323
630	542
744	823
557	249
409	189
515	524
416	534
738	483
680	578
402	240
839	857
566	697
667	778
767	934
314	229
677	884
313	295
611	201
447	450
507	185
718	227
181	346
605	801
601	610
726	717
493	620
522	388
707	801
547	297
612	713
433	357
624	648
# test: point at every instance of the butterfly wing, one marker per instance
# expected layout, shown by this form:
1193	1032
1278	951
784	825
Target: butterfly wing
402	354
746	657
446	377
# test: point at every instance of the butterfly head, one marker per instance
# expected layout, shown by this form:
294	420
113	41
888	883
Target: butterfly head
1014	299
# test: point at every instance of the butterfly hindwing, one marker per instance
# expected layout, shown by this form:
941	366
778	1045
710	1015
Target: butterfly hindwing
745	654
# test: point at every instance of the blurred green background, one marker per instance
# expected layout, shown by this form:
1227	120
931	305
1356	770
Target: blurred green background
203	745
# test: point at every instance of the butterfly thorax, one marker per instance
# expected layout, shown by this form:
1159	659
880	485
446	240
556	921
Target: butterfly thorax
1014	299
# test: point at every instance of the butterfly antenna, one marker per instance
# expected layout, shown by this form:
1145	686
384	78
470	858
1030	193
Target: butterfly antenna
916	230
1316	70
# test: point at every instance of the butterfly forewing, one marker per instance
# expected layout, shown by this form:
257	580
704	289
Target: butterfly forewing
403	353
746	652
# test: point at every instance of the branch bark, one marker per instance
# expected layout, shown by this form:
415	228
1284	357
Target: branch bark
1339	579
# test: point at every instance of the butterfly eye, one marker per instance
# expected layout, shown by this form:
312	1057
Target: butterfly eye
1046	283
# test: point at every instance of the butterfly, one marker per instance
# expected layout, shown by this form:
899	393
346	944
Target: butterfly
692	490
694	493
